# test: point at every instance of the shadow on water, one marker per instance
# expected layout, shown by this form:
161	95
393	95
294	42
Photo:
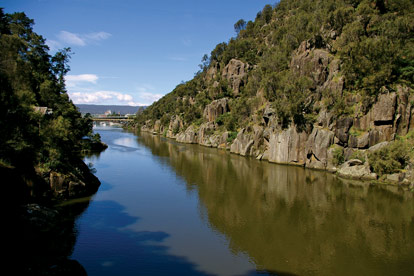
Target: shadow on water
295	220
43	239
103	256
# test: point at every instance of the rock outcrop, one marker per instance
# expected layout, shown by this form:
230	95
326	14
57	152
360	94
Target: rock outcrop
235	73
323	144
215	109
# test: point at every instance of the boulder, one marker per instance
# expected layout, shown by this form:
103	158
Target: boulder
355	169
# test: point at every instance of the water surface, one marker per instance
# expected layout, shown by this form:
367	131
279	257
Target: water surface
172	209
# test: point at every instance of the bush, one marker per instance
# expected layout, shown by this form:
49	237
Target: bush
338	156
390	159
232	136
358	155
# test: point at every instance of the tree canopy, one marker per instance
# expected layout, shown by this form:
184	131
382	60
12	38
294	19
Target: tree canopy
41	127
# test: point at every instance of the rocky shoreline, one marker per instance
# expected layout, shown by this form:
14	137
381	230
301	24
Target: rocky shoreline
352	169
315	147
337	142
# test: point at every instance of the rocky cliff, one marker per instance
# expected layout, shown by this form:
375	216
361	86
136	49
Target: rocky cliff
319	105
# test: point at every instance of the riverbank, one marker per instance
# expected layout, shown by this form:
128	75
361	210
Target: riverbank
355	166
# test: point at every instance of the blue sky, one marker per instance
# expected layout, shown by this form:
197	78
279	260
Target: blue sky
133	52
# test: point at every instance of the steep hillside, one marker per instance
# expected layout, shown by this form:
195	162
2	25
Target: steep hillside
42	132
321	84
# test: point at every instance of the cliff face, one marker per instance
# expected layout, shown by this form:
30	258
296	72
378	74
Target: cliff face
313	106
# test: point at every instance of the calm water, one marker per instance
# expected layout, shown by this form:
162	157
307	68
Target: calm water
172	209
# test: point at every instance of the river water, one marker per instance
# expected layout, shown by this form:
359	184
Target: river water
172	209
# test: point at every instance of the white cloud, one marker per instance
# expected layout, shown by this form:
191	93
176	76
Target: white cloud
66	37
71	38
74	80
100	97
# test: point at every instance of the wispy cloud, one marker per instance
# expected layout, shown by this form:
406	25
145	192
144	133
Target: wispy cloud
71	38
75	39
75	80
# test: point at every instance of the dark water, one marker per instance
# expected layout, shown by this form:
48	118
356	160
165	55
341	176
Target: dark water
172	209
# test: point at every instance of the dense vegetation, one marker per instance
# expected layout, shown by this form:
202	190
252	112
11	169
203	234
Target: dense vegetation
374	41
40	127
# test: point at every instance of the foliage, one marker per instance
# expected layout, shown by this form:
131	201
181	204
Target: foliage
338	156
232	136
391	158
373	41
30	78
358	155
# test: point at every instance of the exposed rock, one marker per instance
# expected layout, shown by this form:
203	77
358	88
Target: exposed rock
313	64
355	169
64	186
157	126
325	118
378	146
381	114
243	143
384	109
176	124
396	177
363	141
212	71
204	133
215	109
342	129
381	134
317	147
288	146
235	72
189	136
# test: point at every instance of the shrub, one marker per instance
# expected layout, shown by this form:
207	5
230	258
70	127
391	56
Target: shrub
358	155
389	159
338	156
232	136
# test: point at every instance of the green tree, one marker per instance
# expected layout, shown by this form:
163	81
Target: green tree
239	25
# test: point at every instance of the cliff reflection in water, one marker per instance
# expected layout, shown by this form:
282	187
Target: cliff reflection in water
295	220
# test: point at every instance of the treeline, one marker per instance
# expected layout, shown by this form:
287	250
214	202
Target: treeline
373	40
40	127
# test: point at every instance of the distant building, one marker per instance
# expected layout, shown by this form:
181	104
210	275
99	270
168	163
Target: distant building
108	113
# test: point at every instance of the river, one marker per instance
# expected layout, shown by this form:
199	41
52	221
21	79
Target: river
166	208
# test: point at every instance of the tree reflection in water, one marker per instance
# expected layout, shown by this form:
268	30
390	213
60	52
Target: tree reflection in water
295	220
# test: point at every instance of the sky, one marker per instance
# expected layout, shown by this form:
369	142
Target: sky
132	52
